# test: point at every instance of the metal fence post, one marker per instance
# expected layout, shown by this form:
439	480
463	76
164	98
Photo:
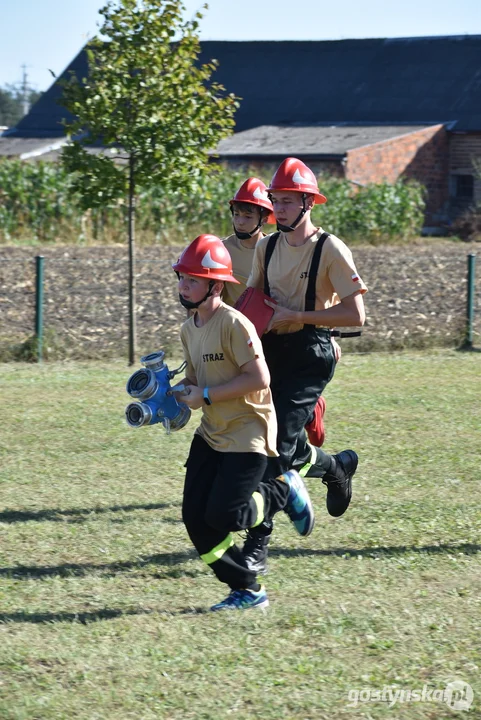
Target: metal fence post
39	306
470	301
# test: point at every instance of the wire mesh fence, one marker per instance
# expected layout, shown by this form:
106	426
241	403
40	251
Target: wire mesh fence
416	298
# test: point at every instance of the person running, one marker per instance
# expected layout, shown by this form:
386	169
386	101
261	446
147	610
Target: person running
228	486
251	209
312	277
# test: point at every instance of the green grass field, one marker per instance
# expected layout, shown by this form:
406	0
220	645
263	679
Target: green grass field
103	600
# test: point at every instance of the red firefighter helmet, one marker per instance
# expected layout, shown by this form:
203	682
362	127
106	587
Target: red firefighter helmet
254	191
293	175
206	257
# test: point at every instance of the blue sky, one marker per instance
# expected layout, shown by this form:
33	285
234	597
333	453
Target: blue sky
45	34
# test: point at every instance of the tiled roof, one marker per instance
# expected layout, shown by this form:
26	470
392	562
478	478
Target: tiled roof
29	148
377	81
274	140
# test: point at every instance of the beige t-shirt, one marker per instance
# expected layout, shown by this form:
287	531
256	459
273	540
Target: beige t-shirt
215	353
242	259
288	273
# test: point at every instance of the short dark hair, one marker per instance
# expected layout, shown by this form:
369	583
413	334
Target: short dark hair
237	205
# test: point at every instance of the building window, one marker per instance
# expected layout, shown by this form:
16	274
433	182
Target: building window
463	186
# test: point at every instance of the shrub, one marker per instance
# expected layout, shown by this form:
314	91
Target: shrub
468	225
372	213
35	200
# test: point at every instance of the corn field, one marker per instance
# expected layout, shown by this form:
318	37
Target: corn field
39	206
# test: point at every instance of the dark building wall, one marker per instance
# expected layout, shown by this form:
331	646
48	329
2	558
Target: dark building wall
422	155
464	171
464	149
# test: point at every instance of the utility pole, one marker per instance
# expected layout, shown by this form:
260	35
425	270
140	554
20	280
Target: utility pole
25	103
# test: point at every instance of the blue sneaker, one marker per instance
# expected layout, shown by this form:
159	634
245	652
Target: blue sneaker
299	507
243	599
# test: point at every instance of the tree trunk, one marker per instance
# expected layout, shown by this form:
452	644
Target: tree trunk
131	222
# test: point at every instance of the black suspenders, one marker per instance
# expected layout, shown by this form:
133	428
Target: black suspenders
269	250
310	302
311	283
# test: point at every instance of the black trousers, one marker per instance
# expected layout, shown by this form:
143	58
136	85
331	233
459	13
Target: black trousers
225	492
301	364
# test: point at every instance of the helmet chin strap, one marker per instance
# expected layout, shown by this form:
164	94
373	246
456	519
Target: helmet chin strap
189	305
290	228
247	235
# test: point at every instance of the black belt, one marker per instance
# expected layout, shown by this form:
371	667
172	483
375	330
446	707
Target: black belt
339	334
332	333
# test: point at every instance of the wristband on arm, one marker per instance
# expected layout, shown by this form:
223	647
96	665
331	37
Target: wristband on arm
207	399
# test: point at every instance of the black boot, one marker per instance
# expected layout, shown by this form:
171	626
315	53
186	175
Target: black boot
255	547
339	482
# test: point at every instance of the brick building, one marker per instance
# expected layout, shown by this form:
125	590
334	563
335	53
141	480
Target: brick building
368	110
362	154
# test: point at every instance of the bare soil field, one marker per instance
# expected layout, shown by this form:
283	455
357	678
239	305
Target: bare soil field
416	298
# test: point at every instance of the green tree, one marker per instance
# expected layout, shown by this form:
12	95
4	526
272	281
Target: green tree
150	104
12	103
